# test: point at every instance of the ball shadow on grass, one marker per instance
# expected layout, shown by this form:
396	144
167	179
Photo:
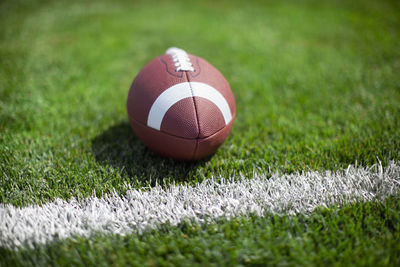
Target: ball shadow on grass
119	147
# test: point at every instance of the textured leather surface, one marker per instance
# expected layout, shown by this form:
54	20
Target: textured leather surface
211	76
207	146
181	120
180	148
192	128
165	144
209	117
151	81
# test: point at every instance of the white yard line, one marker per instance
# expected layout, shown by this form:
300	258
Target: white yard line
138	210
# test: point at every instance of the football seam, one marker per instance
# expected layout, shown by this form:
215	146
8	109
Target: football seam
195	104
197	115
198	139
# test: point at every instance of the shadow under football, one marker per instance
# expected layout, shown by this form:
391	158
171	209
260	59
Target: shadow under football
119	147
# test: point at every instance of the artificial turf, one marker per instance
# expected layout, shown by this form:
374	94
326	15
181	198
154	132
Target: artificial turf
316	84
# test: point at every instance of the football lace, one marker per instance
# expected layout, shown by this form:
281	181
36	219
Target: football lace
181	59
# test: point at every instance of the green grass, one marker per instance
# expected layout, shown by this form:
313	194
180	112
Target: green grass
362	234
316	83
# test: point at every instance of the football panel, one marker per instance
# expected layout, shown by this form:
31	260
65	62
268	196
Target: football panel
151	81
209	117
181	120
213	77
164	144
209	145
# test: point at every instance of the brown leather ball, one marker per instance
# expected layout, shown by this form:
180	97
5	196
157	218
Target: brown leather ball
180	106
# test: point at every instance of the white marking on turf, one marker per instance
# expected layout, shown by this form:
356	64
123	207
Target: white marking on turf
139	210
179	91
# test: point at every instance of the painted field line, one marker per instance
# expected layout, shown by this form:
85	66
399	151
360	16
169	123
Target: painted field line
139	210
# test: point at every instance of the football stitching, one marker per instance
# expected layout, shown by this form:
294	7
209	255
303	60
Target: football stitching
197	70
181	59
175	73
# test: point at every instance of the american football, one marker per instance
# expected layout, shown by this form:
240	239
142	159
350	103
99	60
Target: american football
180	106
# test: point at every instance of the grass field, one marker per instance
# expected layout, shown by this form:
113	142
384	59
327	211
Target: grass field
317	88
